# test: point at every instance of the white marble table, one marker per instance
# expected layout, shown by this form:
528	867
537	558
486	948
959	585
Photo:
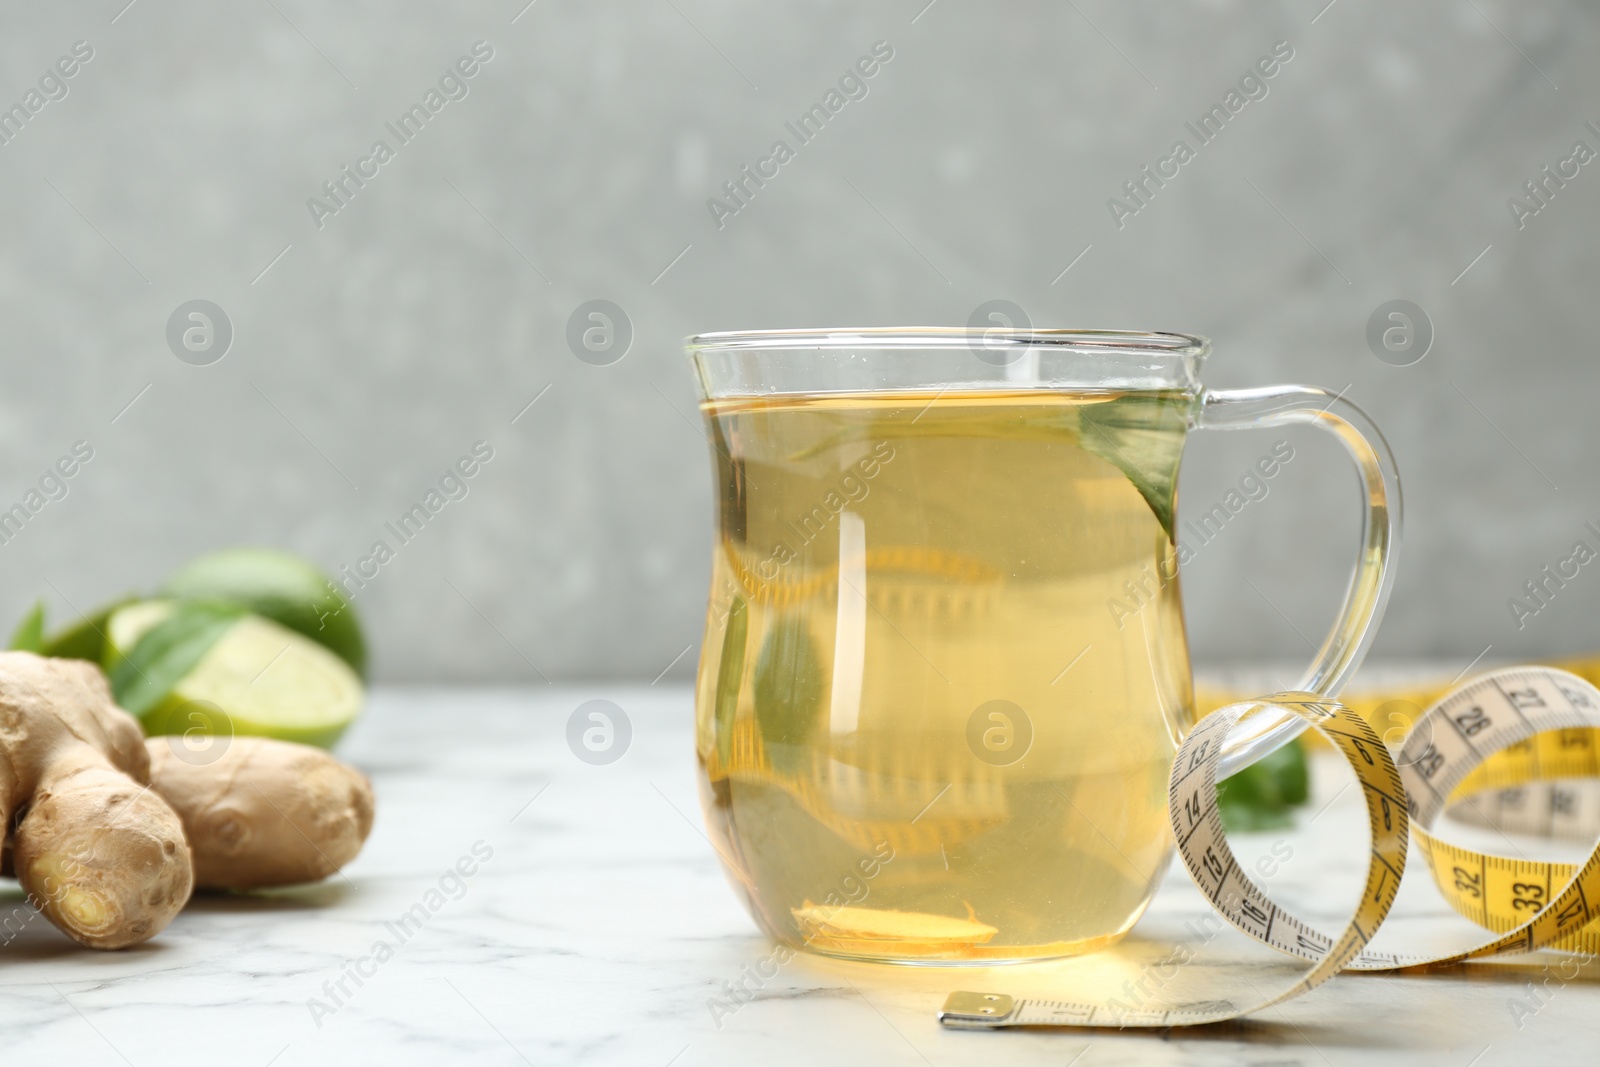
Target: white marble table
600	926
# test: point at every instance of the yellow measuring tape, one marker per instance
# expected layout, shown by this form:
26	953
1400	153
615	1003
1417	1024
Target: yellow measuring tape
1501	731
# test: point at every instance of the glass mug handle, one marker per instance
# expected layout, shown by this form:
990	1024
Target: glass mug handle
1264	728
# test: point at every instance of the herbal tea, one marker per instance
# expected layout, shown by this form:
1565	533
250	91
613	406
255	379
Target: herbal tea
945	670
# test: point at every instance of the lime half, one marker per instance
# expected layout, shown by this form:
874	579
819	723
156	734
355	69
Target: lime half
260	678
281	586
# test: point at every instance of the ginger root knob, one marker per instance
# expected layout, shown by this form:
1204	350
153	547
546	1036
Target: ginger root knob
261	812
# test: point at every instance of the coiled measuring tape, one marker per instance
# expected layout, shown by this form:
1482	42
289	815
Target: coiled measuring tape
1479	735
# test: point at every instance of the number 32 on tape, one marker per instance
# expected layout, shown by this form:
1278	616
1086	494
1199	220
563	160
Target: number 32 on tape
1498	732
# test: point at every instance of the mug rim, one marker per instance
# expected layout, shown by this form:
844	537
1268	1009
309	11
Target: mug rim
1088	342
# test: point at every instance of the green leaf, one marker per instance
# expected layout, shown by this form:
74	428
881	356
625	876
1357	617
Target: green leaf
730	670
1263	795
86	638
1142	435
787	690
29	634
168	651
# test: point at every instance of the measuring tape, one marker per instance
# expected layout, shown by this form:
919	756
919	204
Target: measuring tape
1488	734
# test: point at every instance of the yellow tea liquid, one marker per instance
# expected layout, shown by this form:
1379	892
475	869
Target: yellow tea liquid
944	671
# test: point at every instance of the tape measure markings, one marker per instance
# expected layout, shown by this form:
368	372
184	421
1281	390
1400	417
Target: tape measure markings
1497	725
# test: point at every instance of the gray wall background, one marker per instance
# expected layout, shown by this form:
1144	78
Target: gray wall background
430	310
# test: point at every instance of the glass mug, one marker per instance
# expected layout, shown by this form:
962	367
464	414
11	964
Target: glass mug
945	671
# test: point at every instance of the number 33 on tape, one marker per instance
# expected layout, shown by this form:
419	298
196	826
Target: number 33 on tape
1499	732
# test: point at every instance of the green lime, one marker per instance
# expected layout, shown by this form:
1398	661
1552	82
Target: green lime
84	639
281	586
259	678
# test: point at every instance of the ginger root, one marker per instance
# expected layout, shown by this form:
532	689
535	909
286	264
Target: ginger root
98	853
109	833
264	813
